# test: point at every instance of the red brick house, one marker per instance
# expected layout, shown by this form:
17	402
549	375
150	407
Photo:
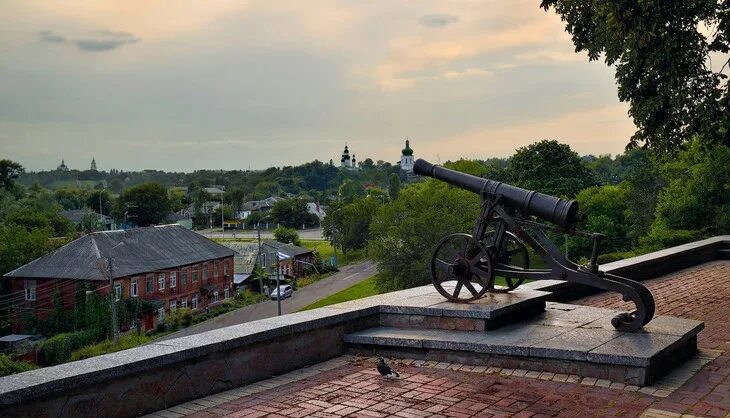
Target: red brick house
293	260
168	266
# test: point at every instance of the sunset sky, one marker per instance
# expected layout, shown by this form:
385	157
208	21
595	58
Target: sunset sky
184	85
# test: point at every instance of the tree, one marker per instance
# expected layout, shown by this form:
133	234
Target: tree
144	204
9	171
287	235
661	59
350	190
405	232
603	210
642	183
97	197
71	197
550	167
292	213
356	220
696	200
393	186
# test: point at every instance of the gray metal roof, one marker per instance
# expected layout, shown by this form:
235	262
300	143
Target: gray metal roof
77	215
133	251
245	258
290	250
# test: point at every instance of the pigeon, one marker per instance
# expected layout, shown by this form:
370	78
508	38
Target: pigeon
385	370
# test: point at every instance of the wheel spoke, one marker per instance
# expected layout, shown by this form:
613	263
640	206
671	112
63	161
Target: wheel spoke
510	283
457	289
445	263
470	288
514	251
481	271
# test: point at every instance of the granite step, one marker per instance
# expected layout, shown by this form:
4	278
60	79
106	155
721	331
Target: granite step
583	343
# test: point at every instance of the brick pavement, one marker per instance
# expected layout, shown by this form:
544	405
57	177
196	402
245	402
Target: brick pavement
352	387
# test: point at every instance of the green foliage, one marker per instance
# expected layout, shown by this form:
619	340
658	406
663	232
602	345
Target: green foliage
9	172
144	204
95	197
58	349
350	191
71	197
287	235
393	186
550	167
107	346
405	232
660	53
642	183
292	213
603	210
19	246
356	219
10	366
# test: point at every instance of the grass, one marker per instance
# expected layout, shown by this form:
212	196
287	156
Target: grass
365	288
108	346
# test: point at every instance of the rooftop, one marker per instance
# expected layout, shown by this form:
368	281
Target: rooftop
133	251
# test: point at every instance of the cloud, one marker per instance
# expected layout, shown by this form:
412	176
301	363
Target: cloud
50	37
99	41
437	20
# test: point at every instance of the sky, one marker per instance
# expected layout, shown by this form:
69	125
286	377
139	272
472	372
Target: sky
186	85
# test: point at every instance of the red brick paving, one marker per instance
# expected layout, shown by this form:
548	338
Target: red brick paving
356	390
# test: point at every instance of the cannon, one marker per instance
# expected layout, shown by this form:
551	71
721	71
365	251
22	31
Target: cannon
495	257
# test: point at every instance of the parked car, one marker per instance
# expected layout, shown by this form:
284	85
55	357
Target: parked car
285	290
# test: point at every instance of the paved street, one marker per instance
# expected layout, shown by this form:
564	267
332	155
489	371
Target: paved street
307	234
341	280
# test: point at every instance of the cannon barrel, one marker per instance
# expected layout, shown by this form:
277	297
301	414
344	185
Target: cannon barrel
561	212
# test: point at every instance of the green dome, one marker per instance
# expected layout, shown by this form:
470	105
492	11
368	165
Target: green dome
407	150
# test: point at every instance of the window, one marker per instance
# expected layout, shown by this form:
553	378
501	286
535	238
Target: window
161	281
173	306
194	302
225	293
173	279
205	271
216	268
225	268
195	274
161	314
29	289
184	302
117	291
215	296
150	283
184	277
133	291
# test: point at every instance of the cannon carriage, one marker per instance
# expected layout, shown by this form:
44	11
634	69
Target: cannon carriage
466	267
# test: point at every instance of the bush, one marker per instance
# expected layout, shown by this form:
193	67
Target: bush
58	349
10	366
108	346
287	235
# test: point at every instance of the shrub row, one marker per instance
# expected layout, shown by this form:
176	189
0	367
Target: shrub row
58	349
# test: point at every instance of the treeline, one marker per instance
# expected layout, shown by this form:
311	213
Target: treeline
312	179
641	202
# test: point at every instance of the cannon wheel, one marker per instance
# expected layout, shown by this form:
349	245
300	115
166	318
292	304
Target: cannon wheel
461	268
512	252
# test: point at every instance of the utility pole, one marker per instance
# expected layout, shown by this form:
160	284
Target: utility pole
108	272
223	227
115	331
261	283
278	289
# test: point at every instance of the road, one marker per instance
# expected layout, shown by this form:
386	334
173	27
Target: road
341	280
306	234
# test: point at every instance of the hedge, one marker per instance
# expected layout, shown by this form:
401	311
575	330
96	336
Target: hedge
58	349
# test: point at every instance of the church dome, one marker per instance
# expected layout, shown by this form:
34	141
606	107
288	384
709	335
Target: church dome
407	150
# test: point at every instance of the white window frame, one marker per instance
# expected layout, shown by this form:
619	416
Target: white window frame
194	274
30	290
133	288
173	306
184	277
194	302
173	279
118	291
184	302
161	281
215	296
226	294
161	314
